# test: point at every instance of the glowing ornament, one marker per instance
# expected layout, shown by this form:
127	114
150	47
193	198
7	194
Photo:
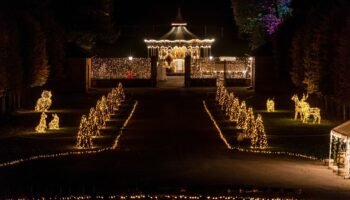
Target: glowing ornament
270	105
41	127
259	139
55	122
44	102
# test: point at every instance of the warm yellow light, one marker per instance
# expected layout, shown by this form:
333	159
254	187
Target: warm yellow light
270	105
130	58
259	139
303	109
41	127
44	102
55	122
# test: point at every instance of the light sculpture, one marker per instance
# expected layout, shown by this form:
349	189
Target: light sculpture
270	105
44	102
55	122
41	127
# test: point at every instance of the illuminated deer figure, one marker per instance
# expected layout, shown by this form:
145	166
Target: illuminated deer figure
308	111
315	113
298	107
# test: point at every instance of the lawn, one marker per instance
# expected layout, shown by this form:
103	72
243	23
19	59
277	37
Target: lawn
283	132
18	138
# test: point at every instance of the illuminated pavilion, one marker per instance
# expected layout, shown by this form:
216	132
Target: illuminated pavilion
172	47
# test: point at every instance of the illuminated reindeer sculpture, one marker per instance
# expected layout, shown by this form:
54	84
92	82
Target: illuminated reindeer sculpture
302	107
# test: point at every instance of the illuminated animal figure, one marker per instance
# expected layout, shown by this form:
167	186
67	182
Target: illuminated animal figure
44	102
55	122
299	106
270	105
41	127
315	113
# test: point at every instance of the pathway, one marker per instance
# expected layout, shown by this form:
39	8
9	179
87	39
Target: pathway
170	144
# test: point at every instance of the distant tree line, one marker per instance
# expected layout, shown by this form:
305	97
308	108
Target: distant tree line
310	45
34	35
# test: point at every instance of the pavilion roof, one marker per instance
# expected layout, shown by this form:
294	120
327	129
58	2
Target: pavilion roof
343	129
179	33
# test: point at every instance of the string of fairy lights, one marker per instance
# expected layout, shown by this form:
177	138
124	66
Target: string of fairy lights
242	117
170	196
86	151
90	126
232	114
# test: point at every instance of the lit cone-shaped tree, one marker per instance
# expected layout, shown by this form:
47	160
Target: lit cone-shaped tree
222	96
93	122
229	104
225	101
121	93
218	92
84	138
249	124
234	110
242	115
259	139
41	127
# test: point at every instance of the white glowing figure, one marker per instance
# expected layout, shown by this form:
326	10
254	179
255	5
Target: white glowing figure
55	122
41	127
259	139
270	105
44	102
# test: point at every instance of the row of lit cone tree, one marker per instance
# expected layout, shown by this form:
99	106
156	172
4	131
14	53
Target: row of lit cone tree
43	104
253	128
91	125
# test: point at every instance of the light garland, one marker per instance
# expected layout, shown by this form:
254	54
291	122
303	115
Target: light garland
270	105
124	126
217	126
55	122
41	127
71	153
44	102
251	196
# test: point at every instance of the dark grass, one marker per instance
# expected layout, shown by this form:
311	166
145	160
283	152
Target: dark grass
283	132
19	140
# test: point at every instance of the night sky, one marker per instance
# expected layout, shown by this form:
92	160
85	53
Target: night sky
138	20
